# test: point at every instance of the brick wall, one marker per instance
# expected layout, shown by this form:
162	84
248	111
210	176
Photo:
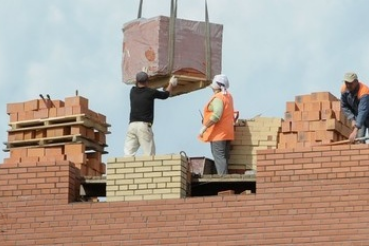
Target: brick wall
146	178
308	196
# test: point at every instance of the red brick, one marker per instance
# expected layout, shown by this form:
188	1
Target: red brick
41	114
323	96
39	152
14	107
29	134
26	115
74	149
297	116
76	101
68	110
53	151
79	129
303	99
53	112
61	112
58	103
291	106
312	106
31	105
40	133
13	117
310	115
101	118
79	110
61	131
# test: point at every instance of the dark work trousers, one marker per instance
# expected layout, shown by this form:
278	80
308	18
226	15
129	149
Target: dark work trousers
220	151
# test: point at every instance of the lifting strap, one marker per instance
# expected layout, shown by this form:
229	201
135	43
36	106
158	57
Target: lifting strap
171	36
207	44
139	14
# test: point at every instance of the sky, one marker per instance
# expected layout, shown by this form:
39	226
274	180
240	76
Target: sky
273	50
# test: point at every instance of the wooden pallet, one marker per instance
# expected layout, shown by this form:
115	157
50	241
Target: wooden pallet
55	141
38	124
185	84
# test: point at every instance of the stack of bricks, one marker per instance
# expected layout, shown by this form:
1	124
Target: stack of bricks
313	119
250	136
45	130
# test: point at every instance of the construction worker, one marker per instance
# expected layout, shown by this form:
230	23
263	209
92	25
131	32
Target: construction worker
218	123
141	116
355	105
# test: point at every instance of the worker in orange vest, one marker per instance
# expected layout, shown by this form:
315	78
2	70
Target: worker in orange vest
355	105
218	123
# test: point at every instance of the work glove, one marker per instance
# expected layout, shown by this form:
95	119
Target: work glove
173	81
202	130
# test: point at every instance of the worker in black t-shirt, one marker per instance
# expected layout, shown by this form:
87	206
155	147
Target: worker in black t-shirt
141	116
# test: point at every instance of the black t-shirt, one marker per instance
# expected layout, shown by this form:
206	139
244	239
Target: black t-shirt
142	103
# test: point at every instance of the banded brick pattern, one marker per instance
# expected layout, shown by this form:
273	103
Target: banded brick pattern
307	196
147	178
250	136
29	184
284	168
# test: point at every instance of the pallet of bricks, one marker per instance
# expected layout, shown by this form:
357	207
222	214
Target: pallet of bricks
313	119
45	130
166	46
252	135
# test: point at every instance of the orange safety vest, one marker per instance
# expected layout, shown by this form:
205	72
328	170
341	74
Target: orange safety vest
224	128
363	89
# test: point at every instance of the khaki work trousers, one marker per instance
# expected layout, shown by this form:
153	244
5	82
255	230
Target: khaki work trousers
139	134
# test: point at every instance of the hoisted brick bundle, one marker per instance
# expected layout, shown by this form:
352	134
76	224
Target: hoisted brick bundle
165	46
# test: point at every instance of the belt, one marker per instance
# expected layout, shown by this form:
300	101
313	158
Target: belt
149	124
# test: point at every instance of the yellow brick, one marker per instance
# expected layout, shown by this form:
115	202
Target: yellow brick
133	175
162	168
153	174
143	169
134	164
112	188
161	191
143	192
161	180
133	198
174	185
143	180
124	181
124	170
144	186
133	187
171	174
144	158
152	163
110	171
124	159
124	193
116	165
164	157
